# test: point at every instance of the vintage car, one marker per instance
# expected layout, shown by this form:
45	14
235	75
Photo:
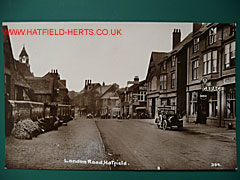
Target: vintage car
89	116
168	118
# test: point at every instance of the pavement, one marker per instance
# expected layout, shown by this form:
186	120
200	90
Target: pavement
200	129
79	140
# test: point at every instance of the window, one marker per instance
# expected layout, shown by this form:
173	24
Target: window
213	105
195	44
210	62
193	103
164	65
232	29
229	55
142	96
231	102
173	103
163	81
164	102
195	65
154	83
173	61
173	77
212	35
214	61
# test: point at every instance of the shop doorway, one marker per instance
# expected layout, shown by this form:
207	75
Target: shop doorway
202	111
153	107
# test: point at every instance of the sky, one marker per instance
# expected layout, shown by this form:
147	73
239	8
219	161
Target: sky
100	58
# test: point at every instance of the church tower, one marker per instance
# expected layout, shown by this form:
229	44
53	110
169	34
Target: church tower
23	56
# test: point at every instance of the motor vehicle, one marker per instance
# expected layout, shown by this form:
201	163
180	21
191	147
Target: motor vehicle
89	116
167	118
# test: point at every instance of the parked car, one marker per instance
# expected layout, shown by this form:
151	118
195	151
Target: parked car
168	118
89	116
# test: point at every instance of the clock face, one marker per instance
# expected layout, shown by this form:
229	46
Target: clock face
24	59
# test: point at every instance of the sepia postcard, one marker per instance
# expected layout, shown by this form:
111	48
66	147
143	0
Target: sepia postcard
120	95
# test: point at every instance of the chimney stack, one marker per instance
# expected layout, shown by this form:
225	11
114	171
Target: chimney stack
176	37
136	80
196	27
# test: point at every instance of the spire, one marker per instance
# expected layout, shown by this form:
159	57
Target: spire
23	52
23	56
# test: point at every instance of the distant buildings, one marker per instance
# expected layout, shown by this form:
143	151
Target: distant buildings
100	100
134	102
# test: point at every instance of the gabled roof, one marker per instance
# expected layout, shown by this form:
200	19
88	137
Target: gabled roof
155	59
112	89
134	86
103	89
23	52
21	81
60	85
41	85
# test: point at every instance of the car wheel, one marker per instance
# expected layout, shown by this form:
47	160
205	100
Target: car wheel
164	125
180	127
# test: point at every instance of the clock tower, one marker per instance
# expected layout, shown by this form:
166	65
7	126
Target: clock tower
23	56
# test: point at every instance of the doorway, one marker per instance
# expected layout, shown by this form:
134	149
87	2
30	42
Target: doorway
153	107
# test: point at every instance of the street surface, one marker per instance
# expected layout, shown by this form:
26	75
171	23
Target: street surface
130	144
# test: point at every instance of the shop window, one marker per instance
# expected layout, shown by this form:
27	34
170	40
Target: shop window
164	102
213	105
193	103
173	103
230	102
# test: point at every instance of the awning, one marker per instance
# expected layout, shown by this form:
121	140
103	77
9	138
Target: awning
141	108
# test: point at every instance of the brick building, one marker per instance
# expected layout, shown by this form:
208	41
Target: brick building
166	77
211	94
15	85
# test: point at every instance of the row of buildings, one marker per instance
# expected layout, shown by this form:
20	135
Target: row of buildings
21	84
196	78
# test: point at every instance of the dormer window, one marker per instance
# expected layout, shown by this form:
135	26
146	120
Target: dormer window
173	61
164	65
212	35
232	30
196	45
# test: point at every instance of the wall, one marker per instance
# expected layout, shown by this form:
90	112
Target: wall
26	109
